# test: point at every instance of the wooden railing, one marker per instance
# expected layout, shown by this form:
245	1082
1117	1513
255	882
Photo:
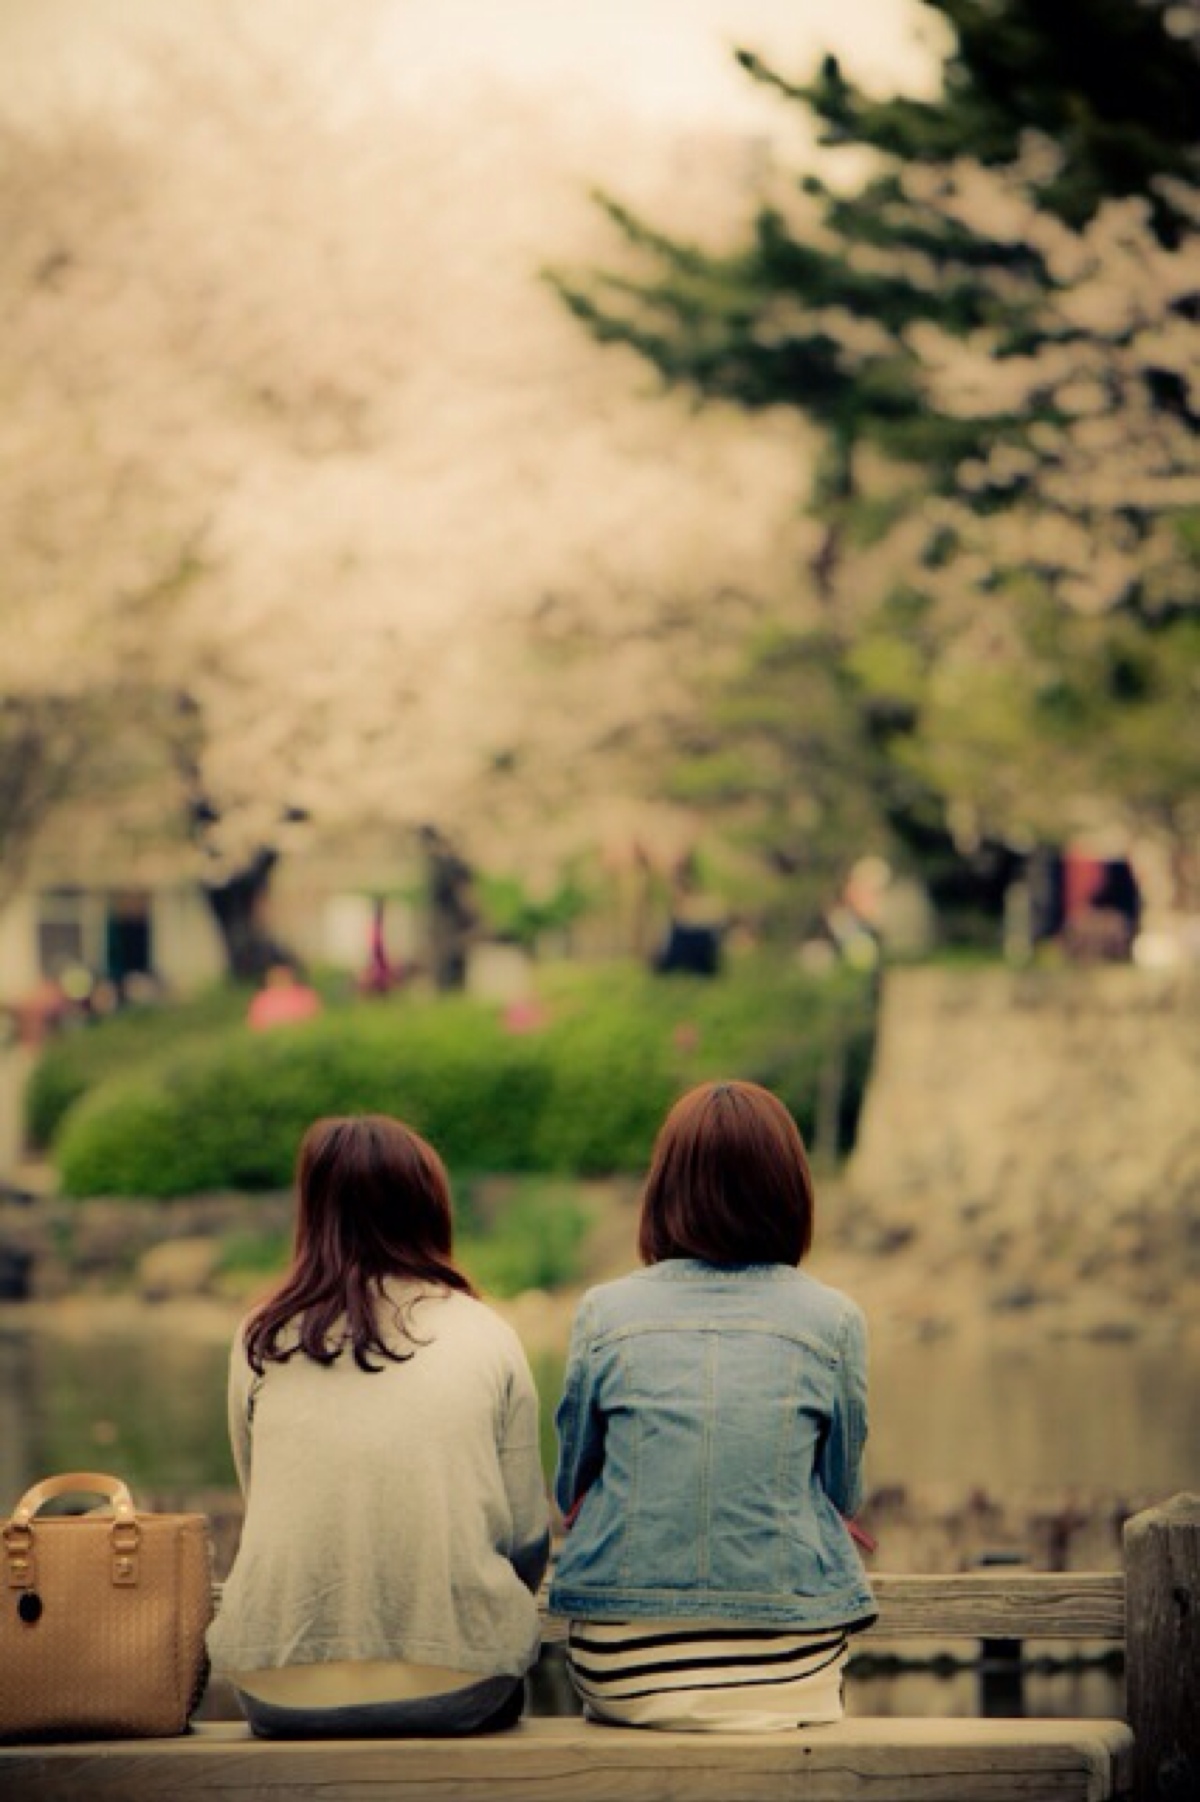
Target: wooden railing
983	1605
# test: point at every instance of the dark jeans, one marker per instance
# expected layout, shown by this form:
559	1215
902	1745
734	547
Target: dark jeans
488	1706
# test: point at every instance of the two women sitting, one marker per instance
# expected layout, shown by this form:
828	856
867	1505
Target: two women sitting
711	1431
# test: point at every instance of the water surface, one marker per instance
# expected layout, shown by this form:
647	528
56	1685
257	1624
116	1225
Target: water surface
972	1409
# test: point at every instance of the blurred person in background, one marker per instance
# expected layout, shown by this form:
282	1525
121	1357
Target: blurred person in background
283	1000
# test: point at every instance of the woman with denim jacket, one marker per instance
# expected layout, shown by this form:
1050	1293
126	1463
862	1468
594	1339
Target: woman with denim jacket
711	1437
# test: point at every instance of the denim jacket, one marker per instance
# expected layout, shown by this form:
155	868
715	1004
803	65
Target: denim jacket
711	1432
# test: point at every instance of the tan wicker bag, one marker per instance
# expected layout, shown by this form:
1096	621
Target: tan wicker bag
102	1616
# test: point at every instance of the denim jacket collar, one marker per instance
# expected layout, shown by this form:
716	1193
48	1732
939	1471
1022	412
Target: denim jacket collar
685	1270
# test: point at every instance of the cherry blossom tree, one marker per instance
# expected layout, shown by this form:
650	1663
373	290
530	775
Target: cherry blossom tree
310	492
1061	630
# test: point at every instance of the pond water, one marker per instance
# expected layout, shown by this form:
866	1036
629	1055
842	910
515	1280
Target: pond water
1001	1414
1007	1412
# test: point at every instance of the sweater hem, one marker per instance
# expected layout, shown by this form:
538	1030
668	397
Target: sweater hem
452	1657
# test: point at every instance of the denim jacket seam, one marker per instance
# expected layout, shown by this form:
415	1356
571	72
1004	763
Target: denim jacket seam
784	1461
631	1512
704	1533
843	1334
766	1329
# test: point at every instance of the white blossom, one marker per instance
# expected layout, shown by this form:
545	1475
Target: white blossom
289	423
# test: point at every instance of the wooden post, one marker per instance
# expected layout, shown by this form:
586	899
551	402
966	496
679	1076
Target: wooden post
1162	1649
1001	1660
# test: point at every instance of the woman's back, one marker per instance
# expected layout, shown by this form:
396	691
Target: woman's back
711	1434
713	1422
376	1497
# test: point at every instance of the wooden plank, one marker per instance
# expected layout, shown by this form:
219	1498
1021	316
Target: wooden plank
985	1605
974	1605
570	1761
971	1605
1003	1605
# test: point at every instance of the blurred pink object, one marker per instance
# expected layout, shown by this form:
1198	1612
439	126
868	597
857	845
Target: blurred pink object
524	1016
283	1000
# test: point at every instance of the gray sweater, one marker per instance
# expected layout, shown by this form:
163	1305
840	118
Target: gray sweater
397	1515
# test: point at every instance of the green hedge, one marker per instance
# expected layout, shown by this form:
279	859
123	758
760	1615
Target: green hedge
582	1095
534	1240
85	1055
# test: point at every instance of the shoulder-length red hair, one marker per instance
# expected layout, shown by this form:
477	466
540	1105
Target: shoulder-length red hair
373	1201
729	1181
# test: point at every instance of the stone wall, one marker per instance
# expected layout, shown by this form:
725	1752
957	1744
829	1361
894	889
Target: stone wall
1047	1121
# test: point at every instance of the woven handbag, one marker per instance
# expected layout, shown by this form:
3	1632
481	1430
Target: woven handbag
102	1616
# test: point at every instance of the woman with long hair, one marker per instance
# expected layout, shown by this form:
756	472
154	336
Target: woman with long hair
711	1437
383	1422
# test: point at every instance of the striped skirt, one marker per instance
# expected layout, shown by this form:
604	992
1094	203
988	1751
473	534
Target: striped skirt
706	1676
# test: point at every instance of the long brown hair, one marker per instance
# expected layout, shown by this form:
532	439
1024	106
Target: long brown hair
373	1201
729	1181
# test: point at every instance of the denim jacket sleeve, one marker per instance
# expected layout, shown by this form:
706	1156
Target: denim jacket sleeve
579	1422
840	1465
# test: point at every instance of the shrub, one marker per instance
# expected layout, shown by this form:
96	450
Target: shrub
534	1241
612	1077
583	1095
803	1036
230	1112
85	1055
121	1138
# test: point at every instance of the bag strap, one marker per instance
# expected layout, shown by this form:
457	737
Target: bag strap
75	1482
125	1534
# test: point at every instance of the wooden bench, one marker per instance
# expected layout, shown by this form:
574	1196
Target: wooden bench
1153	1606
570	1761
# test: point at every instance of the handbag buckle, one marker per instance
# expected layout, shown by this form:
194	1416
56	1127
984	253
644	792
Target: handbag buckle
126	1541
18	1546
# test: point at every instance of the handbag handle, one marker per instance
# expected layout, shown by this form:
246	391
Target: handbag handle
124	1535
75	1482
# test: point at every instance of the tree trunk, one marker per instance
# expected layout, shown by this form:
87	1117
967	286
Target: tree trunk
239	908
453	916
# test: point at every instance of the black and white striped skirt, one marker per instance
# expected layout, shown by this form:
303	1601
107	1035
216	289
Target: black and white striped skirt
707	1675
